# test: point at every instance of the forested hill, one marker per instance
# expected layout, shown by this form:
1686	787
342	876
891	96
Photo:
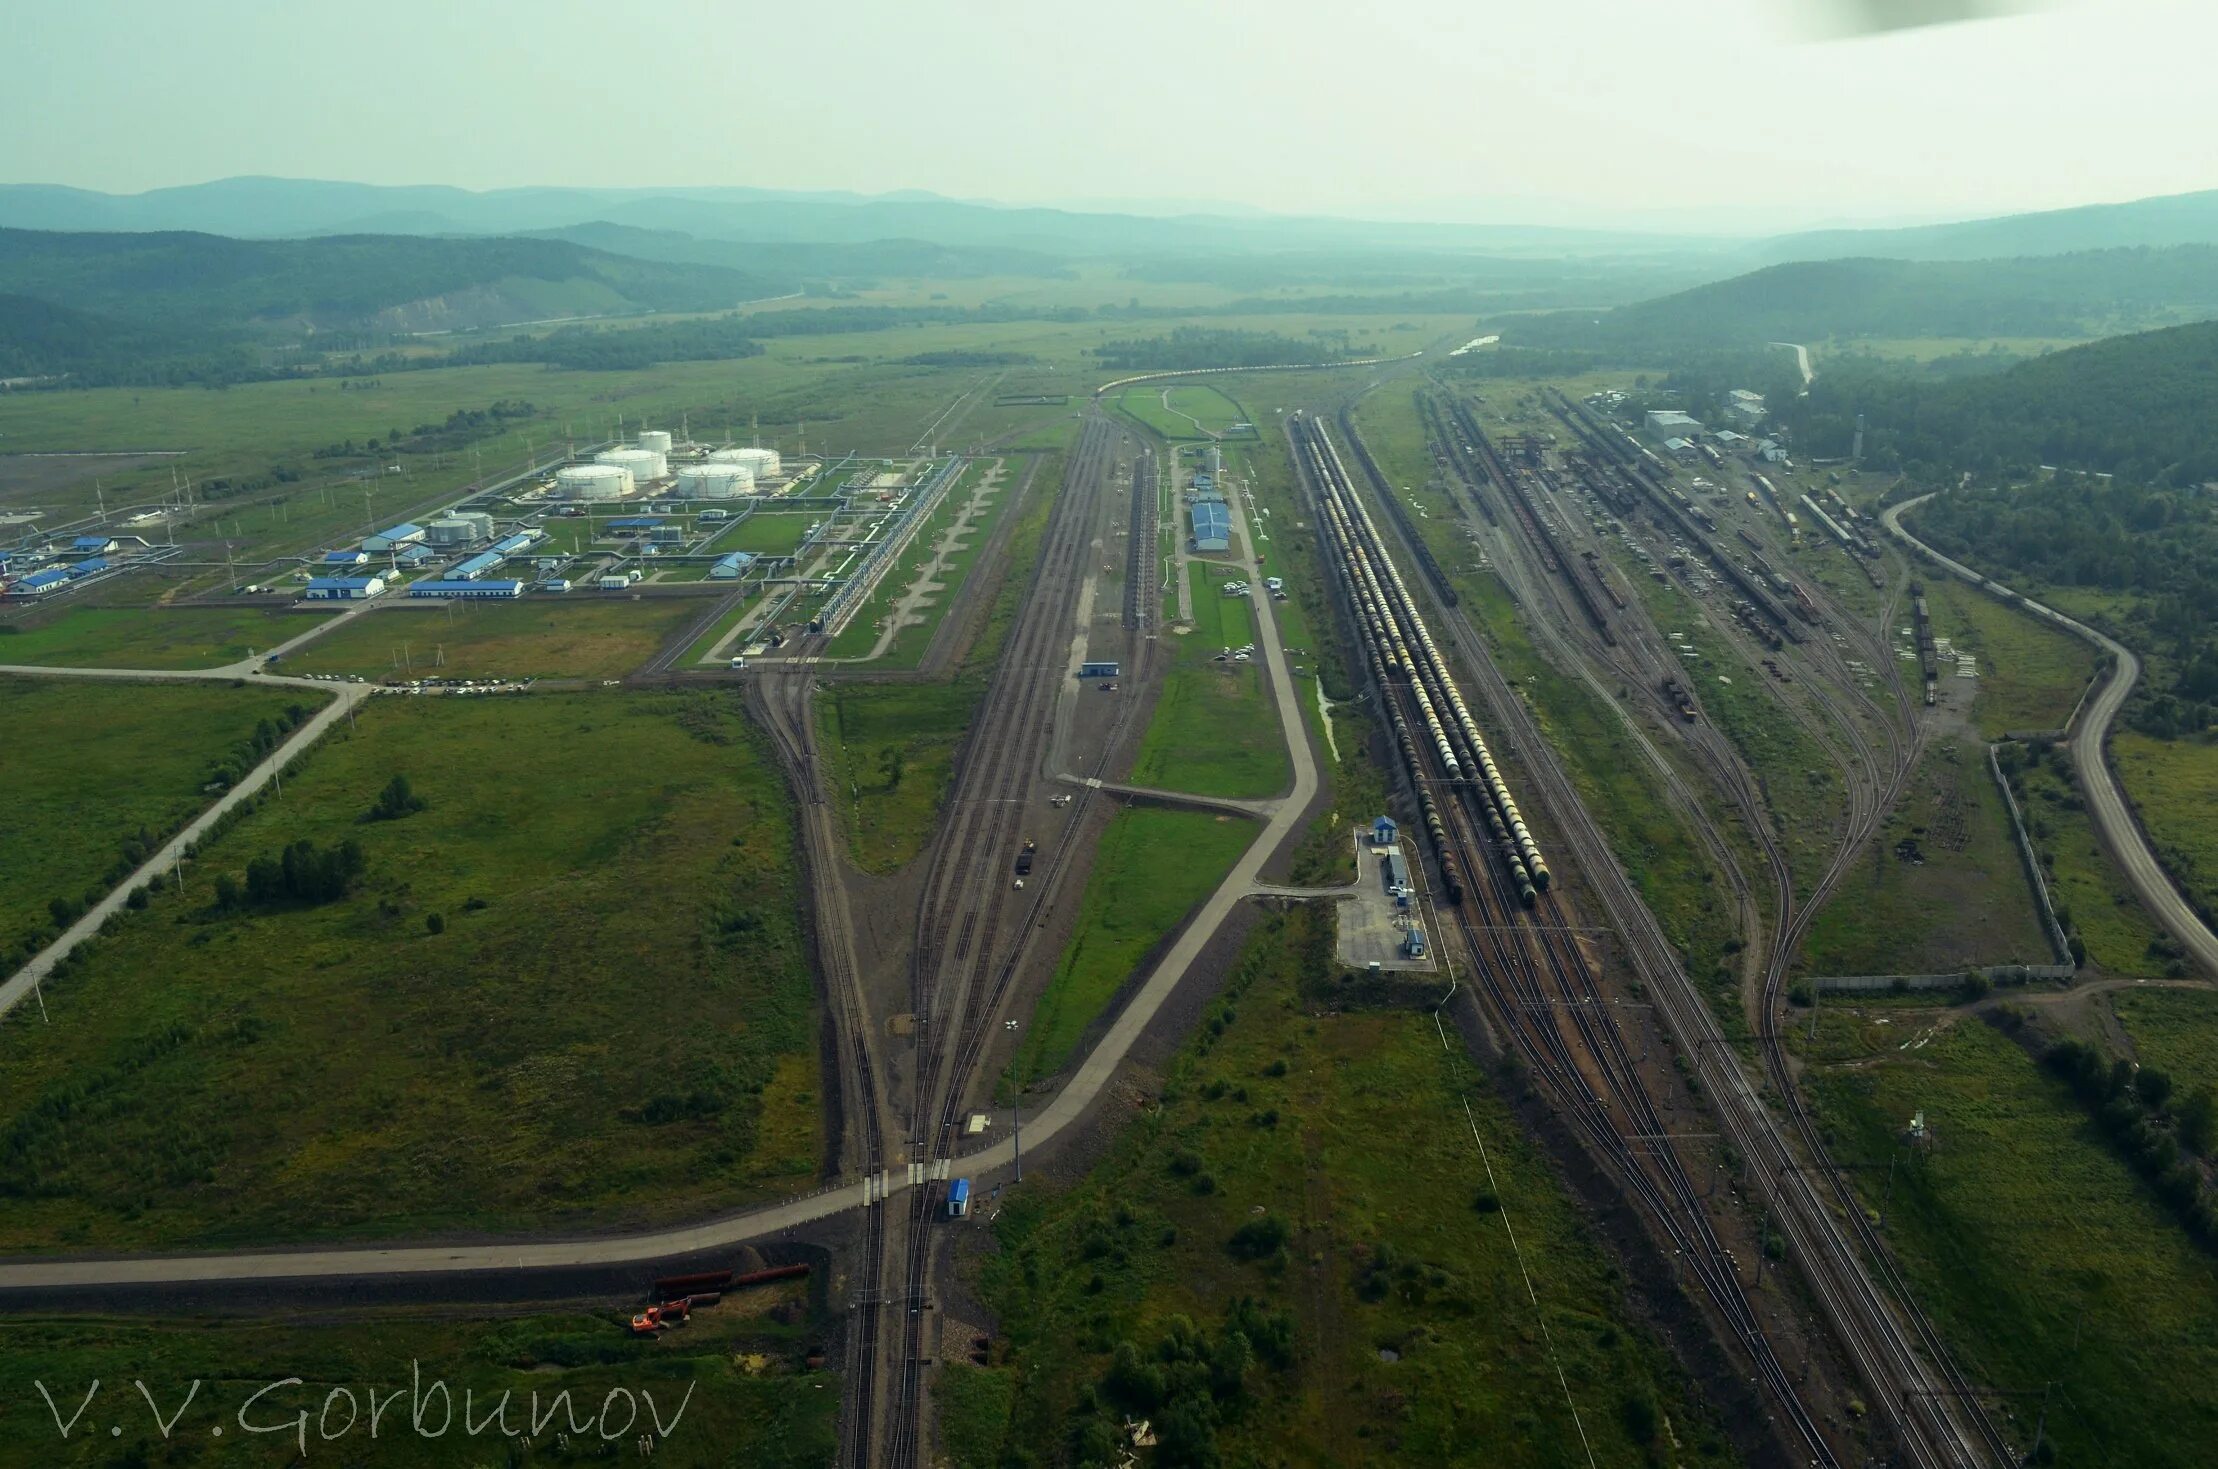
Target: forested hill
2143	407
2086	294
2170	219
181	282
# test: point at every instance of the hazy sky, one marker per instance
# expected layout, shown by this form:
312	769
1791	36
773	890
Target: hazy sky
1721	112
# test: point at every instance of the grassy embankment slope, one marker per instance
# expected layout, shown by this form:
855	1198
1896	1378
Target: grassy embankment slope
478	1037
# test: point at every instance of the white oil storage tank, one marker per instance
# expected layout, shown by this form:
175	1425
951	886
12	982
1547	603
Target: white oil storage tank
762	463
645	465
593	482
715	481
655	441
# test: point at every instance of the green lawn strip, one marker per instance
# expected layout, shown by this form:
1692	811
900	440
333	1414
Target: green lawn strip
890	755
861	634
100	773
538	637
2093	899
480	1036
1939	887
2174	788
973	1405
1213	732
1152	867
1315	1178
2020	1218
732	1386
153	637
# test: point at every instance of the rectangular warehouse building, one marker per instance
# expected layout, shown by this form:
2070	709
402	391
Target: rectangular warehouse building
476	566
467	589
1212	526
343	588
731	565
392	538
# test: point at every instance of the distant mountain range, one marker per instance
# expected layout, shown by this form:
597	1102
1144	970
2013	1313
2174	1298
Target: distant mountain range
2092	293
268	207
2172	219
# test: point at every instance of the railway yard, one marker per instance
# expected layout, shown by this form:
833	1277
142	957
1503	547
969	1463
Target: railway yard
1533	612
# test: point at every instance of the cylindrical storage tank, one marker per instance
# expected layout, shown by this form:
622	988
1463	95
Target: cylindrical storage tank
593	482
646	465
654	440
763	462
714	481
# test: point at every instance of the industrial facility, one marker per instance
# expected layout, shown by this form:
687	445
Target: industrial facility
1212	526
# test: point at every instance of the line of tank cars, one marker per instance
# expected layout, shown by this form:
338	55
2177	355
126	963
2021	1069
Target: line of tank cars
1400	649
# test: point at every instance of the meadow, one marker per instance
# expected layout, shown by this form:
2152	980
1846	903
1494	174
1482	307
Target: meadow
570	992
95	769
732	1386
2019	1185
1185	411
1315	1182
538	637
153	637
2031	675
2173	785
1152	868
889	753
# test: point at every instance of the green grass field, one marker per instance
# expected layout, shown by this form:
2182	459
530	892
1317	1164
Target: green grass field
2175	1030
1213	732
890	757
731	1387
1152	867
609	1024
2031	675
153	637
1939	887
1185	411
2019	1219
1348	1132
2091	894
767	532
2173	785
538	637
93	764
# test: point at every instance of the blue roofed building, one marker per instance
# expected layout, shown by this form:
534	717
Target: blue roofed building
96	545
345	558
393	537
412	557
476	566
343	588
39	583
1212	526
467	590
732	565
509	545
87	567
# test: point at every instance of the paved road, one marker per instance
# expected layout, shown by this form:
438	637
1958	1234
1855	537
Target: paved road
2089	735
1066	1108
1802	360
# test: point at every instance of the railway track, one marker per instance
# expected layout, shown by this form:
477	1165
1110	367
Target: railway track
1936	1414
957	986
1543	991
1139	552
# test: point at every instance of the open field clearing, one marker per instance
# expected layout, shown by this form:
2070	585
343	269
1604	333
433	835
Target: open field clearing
1939	887
1312	1183
2031	675
539	637
569	992
1152	868
2174	1030
768	532
2174	788
1212	733
100	773
2018	1186
890	755
732	1386
153	637
1185	411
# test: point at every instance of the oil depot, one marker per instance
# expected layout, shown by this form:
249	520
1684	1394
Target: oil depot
645	466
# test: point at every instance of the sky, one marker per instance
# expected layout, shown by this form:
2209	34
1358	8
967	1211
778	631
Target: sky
1726	114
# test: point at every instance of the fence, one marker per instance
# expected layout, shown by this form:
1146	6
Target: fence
1996	974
